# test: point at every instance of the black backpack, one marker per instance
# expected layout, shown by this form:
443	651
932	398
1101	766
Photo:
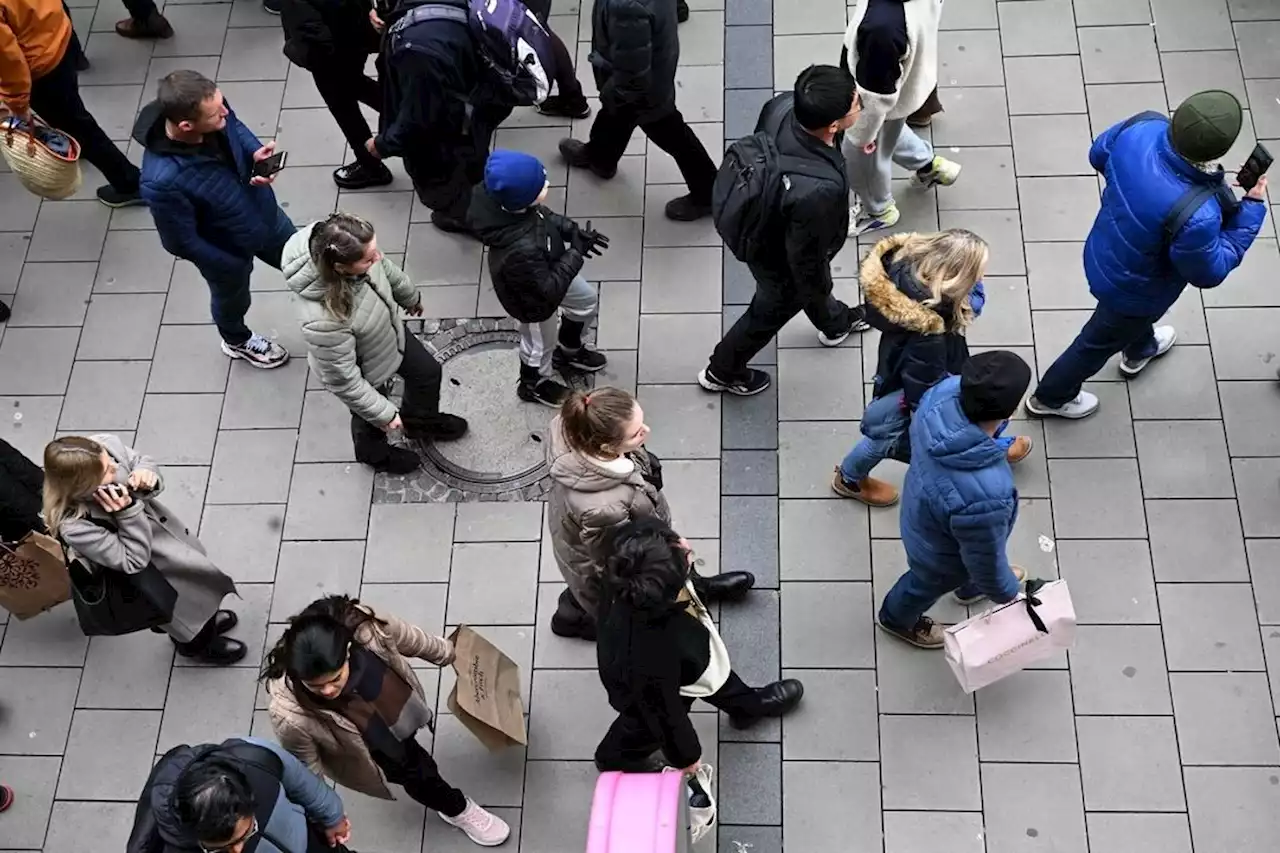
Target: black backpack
1191	200
747	195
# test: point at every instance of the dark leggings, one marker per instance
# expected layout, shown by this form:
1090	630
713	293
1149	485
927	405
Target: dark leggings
418	774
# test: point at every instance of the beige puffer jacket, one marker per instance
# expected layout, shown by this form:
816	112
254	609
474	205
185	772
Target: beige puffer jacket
588	498
327	742
352	357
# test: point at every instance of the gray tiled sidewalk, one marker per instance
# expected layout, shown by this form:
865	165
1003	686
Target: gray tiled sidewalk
1157	732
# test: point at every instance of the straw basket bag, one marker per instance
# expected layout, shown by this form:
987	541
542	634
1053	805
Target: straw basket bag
41	170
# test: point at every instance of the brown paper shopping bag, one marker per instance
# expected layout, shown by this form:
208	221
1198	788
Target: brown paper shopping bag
33	575
486	698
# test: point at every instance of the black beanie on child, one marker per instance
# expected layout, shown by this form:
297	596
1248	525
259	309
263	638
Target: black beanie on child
992	385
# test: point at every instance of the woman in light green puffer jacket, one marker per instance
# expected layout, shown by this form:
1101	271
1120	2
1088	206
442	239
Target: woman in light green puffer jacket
349	301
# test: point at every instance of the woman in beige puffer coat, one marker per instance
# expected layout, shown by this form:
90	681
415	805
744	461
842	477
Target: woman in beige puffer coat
349	301
603	476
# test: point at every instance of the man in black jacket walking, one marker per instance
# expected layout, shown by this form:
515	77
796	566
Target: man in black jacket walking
793	271
433	75
634	54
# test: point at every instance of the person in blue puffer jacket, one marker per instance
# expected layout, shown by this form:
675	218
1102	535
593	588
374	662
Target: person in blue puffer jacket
1168	219
959	503
209	206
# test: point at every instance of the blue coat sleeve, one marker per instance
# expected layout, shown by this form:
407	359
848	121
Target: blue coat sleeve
982	531
977	299
1206	250
242	137
175	219
1100	151
304	788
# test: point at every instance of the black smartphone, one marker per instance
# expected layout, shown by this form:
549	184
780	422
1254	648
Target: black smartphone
268	167
1255	167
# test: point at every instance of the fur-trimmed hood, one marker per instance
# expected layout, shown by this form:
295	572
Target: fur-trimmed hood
885	296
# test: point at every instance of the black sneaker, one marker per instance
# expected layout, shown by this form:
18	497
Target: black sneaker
754	382
112	197
548	392
441	427
272	7
574	152
5	312
562	107
685	209
448	224
398	461
582	359
357	176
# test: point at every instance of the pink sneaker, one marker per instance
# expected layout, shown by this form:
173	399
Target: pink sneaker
482	827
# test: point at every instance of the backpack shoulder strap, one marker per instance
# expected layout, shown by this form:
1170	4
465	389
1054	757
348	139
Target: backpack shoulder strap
1185	208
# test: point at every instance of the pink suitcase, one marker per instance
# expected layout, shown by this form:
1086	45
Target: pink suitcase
639	813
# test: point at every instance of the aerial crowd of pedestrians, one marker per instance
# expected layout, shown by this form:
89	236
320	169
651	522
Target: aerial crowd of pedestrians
344	700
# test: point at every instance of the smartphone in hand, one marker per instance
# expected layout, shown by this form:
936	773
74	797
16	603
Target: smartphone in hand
268	167
1254	168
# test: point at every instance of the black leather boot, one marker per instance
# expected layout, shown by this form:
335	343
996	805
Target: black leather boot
774	700
209	646
571	620
726	586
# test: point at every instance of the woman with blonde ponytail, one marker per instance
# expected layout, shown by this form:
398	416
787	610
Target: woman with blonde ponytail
922	291
100	500
349	301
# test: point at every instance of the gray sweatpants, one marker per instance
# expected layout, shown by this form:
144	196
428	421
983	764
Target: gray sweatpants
538	340
871	175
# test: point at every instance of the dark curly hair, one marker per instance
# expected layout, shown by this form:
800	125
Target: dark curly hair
644	565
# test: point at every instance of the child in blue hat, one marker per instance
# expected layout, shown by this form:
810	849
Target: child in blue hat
535	261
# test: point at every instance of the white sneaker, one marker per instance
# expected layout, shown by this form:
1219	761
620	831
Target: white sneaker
865	223
858	325
941	173
1082	406
1166	336
258	351
483	827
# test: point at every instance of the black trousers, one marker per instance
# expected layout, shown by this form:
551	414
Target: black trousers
55	97
140	10
629	741
444	183
422	377
611	132
344	86
418	774
775	302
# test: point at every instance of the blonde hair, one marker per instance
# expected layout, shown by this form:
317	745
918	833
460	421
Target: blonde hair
593	422
949	263
72	470
339	239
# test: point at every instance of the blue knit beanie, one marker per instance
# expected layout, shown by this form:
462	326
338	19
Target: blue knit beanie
514	179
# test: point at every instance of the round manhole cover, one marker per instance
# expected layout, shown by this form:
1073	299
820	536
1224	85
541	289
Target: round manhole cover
503	455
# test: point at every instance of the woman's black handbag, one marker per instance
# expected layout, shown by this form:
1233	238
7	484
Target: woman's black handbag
110	603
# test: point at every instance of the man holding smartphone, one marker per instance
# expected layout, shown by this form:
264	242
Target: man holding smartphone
207	179
1168	219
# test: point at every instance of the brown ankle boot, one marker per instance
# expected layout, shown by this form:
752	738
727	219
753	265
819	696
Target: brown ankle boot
154	27
869	490
1019	450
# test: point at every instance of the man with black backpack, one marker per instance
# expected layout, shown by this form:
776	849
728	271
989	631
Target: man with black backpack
444	94
781	204
1168	219
242	794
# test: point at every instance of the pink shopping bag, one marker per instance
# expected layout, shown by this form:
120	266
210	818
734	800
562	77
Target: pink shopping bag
639	813
1010	637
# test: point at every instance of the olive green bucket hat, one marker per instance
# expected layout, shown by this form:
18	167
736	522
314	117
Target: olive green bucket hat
1206	125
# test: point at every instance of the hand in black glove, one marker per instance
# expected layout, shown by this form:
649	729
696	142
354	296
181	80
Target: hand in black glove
596	242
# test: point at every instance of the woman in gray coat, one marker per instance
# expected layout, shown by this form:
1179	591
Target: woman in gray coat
100	500
349	302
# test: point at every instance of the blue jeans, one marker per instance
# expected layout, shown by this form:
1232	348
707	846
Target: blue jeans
1105	334
229	295
918	590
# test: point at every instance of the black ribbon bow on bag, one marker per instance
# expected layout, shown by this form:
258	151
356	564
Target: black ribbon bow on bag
1033	586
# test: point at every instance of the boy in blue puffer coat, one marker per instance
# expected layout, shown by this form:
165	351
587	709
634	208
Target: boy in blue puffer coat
1168	219
959	503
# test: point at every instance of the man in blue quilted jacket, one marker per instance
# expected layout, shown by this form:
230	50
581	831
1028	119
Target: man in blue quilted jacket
959	503
1168	219
209	206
